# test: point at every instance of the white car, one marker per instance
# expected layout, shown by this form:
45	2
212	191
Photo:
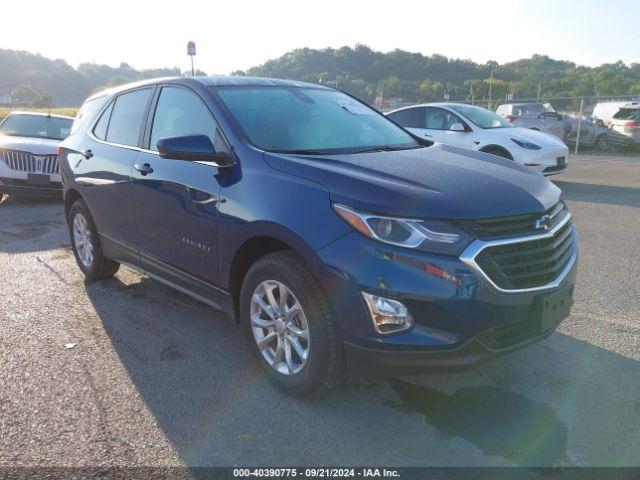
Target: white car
480	129
29	153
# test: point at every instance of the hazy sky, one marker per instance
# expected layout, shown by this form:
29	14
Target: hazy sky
237	34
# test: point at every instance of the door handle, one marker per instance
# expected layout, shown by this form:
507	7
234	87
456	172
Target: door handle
144	169
87	154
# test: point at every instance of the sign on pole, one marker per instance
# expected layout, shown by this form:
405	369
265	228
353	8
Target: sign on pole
191	51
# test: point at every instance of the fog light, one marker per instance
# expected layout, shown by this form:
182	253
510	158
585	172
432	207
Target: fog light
387	315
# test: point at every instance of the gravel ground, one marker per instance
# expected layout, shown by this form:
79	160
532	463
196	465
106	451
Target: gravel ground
128	372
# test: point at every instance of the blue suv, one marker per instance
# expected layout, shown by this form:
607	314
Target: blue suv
339	241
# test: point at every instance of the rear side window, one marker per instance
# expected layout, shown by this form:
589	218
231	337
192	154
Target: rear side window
180	112
86	113
409	117
100	130
126	117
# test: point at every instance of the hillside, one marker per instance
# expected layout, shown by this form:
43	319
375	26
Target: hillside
33	80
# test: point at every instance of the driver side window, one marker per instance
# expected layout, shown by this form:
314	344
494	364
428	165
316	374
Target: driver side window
439	119
179	112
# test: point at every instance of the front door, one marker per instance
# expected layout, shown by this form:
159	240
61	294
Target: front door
176	201
436	125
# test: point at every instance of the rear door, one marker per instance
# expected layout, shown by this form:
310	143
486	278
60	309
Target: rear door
176	201
104	174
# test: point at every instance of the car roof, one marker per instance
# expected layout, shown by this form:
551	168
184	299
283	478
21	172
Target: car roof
39	114
432	104
212	81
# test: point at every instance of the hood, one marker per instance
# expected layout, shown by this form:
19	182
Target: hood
434	182
37	146
533	136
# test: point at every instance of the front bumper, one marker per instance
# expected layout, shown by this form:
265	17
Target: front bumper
460	318
11	186
549	160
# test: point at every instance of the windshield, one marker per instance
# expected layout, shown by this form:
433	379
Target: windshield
39	126
482	117
311	120
628	114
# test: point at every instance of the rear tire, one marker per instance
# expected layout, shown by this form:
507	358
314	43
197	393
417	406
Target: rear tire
85	242
300	346
603	143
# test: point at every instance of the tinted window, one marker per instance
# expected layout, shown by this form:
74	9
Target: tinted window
407	118
439	119
87	113
126	118
100	130
628	114
38	126
180	112
310	120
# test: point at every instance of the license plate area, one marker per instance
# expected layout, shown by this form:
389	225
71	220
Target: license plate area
554	308
39	179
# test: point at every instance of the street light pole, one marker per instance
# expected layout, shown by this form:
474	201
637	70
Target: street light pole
490	86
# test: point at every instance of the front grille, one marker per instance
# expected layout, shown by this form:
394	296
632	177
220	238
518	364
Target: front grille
28	162
530	263
513	226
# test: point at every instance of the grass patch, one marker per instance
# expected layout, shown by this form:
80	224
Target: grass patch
58	111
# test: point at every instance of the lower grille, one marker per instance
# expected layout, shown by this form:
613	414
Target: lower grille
529	263
561	164
28	162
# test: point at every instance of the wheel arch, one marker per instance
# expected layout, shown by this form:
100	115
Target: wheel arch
70	197
259	240
495	147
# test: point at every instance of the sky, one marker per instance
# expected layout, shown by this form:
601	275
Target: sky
238	34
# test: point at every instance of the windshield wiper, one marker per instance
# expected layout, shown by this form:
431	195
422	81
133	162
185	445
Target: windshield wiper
299	152
387	148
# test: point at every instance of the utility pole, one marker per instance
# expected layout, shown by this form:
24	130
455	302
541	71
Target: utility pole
539	87
491	84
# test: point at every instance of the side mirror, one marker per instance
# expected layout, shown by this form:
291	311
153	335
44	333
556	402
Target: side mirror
192	148
457	127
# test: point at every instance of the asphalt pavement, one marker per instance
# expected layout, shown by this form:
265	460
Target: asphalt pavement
129	372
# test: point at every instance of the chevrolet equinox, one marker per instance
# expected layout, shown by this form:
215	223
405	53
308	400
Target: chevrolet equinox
342	243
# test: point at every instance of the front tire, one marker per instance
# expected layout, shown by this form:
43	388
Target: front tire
86	244
290	326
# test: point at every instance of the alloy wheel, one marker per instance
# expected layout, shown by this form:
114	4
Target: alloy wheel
82	240
280	327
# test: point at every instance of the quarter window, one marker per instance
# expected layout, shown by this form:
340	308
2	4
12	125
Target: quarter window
126	117
179	112
100	130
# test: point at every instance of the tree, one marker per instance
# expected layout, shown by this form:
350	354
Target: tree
23	95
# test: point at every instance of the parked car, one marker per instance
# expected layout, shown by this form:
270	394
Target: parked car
340	242
480	129
565	127
29	153
622	117
511	111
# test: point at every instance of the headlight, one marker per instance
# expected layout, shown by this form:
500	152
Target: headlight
427	235
525	144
